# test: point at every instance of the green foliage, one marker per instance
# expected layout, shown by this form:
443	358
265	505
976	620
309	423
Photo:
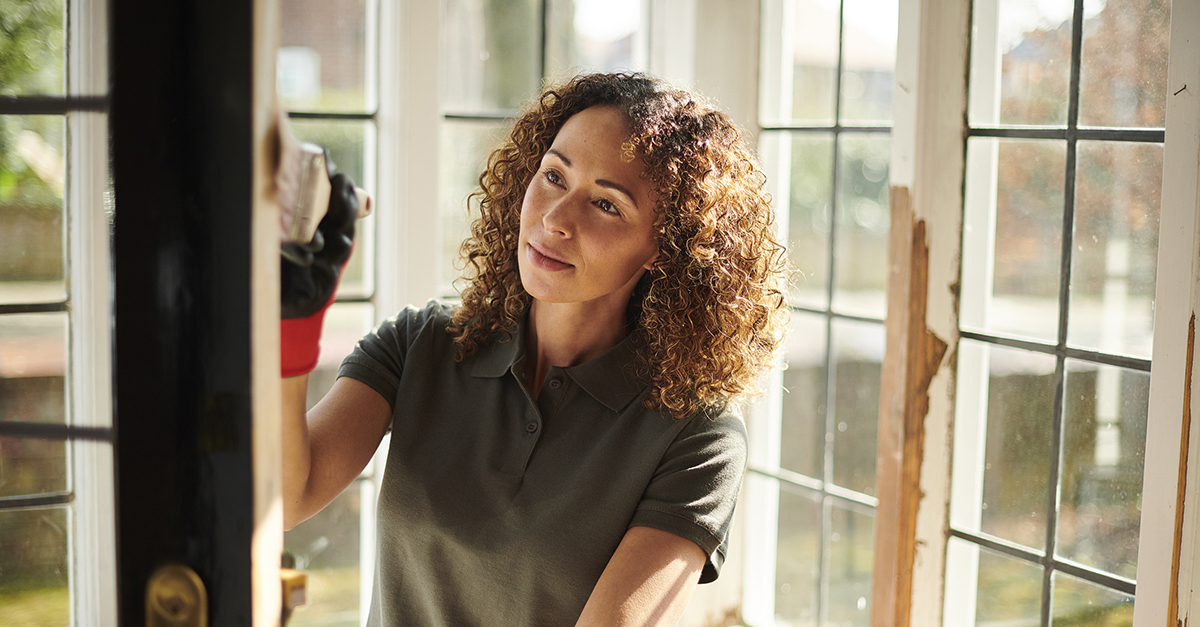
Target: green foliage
31	46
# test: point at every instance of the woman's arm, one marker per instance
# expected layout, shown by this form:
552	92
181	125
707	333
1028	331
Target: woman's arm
326	449
648	581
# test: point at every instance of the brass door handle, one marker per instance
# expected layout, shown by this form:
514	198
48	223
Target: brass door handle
176	597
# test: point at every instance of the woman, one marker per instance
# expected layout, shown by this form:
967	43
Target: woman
565	444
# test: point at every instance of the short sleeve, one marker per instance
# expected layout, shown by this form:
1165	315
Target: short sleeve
378	358
696	485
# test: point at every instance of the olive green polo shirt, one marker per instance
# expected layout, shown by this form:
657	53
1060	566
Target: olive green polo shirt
496	510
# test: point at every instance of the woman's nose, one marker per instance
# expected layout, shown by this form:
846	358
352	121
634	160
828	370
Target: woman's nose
560	216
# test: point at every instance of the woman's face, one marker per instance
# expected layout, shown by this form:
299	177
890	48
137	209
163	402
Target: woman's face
587	220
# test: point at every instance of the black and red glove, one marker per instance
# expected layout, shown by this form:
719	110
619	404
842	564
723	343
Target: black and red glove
309	278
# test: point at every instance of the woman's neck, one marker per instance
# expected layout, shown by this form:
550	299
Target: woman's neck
567	334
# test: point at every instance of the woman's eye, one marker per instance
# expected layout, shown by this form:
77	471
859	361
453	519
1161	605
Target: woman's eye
553	177
607	206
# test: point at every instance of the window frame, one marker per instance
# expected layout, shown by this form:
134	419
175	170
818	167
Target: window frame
765	477
87	427
928	161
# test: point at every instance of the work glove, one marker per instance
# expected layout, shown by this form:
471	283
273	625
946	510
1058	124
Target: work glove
309	276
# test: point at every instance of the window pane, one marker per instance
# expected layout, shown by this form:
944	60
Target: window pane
989	588
860	249
347	145
804	383
857	358
30	466
345	324
326	548
33	568
1012	236
1104	442
1020	62
869	60
815	56
1123	73
321	64
1020	417
798	563
1118	187
33	47
810	203
490	54
851	552
1078	602
594	36
465	149
33	361
32	227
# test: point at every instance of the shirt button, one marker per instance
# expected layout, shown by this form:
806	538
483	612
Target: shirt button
555	384
531	427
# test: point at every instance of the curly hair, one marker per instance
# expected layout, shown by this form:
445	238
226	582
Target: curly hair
711	311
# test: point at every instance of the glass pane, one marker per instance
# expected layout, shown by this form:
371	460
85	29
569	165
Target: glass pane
1009	591
33	362
1012	236
322	60
1113	266
861	246
1123	72
852	549
32	228
33	568
869	60
490	54
857	359
1104	442
327	549
347	146
345	324
1016	472
1020	62
810	204
32	48
804	382
465	149
29	466
798	563
1079	602
594	36
815	56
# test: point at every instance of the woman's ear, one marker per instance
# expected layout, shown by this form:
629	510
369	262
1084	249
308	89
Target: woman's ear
649	265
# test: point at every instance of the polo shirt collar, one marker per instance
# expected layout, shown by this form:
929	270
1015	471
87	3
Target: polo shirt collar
495	359
610	378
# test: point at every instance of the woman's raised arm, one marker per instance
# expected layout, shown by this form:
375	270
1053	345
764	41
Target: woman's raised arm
325	449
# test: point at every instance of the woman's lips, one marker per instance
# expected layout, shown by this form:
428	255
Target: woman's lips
544	260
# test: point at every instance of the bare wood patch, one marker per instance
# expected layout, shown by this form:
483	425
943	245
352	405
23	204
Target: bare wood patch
1181	485
914	355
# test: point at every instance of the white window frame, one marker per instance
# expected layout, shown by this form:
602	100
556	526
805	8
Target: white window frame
928	162
93	560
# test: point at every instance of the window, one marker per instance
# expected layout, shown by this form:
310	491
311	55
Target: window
327	79
825	112
56	487
496	56
1064	163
